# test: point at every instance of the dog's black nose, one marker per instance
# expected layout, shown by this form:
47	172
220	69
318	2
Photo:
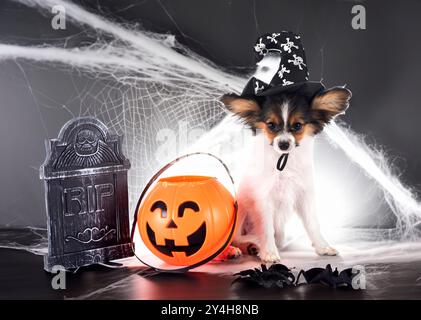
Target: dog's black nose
283	145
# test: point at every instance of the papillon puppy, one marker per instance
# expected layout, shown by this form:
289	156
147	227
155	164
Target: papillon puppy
283	123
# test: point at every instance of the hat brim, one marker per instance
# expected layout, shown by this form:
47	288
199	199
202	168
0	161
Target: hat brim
308	89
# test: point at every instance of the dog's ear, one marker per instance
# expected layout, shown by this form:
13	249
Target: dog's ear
329	104
246	108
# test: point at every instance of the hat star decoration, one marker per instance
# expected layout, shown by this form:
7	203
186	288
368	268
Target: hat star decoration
281	66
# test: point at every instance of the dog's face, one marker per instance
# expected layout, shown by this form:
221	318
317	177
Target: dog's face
287	118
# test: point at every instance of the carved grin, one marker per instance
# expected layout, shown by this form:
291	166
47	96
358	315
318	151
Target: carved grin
195	240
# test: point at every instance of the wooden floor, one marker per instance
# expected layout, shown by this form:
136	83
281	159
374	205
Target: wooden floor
22	277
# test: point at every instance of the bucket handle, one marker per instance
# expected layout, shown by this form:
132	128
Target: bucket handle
147	187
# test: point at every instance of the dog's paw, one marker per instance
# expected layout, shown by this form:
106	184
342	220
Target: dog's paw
229	253
248	248
326	251
270	256
252	249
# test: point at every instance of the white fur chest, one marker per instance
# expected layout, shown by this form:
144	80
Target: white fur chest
267	181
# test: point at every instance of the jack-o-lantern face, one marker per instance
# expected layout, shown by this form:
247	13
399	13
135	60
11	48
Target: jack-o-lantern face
186	219
195	240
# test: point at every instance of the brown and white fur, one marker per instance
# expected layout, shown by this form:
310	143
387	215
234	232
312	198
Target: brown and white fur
267	197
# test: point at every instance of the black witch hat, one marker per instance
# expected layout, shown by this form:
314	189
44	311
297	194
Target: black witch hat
281	67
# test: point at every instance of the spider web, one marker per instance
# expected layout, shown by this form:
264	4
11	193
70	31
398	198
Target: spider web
144	113
164	99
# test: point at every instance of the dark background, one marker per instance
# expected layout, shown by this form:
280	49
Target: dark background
381	66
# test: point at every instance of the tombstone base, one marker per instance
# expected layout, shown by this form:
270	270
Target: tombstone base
88	257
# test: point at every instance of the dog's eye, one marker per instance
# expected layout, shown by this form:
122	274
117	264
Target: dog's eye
296	126
271	126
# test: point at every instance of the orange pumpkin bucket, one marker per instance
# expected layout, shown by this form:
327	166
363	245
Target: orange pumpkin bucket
186	220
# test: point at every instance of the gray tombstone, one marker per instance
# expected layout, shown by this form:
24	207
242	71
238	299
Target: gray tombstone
85	176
